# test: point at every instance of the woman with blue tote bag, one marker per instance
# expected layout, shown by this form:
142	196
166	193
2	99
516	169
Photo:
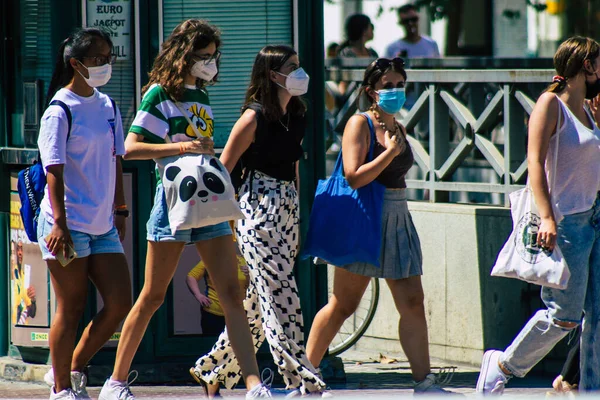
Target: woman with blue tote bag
400	259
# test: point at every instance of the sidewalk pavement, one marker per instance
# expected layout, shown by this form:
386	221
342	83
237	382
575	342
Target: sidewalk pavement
367	375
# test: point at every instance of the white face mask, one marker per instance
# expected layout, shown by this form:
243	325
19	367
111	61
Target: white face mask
205	70
98	76
296	82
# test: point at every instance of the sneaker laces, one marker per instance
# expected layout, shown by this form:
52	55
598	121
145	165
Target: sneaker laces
445	375
125	390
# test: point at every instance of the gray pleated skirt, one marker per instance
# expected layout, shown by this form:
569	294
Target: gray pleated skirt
401	255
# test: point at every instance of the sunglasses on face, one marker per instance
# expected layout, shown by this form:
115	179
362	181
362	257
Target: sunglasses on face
102	60
405	21
384	63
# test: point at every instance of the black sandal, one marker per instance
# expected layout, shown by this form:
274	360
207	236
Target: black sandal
202	383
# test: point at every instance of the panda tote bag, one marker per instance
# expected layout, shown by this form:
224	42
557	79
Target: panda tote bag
198	189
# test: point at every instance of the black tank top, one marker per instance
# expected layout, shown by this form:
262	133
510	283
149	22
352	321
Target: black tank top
275	150
393	176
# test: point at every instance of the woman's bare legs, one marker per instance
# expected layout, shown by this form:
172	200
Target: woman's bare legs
70	285
219	256
161	264
408	297
348	289
110	275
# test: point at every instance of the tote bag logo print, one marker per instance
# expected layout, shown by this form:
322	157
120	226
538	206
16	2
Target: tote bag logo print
526	239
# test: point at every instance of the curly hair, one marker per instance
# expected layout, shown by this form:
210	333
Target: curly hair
263	90
175	58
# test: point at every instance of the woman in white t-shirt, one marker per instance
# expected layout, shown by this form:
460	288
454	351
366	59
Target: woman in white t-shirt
82	218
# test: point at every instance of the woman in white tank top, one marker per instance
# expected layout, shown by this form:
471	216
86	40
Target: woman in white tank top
576	196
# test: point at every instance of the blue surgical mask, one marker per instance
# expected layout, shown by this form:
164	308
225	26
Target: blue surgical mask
391	100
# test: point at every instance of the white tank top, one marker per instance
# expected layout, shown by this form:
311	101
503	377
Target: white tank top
578	165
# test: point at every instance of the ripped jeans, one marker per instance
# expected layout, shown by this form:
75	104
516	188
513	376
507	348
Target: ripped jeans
579	240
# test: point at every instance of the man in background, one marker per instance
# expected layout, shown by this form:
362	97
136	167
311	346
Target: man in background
413	44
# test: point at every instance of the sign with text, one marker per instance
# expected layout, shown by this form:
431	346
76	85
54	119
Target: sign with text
113	16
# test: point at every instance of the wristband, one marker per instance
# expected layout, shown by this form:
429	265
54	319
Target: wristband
181	149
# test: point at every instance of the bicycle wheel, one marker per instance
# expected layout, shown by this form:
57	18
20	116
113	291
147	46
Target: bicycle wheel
354	327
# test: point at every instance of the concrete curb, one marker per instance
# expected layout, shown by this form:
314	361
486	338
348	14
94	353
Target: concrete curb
12	369
16	370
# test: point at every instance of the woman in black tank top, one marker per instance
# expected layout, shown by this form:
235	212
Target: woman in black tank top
400	256
267	139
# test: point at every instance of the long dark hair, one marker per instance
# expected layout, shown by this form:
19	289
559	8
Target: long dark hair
75	46
263	90
569	60
355	27
373	74
175	58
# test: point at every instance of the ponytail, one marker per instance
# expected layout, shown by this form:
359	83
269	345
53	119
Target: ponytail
63	72
558	84
75	46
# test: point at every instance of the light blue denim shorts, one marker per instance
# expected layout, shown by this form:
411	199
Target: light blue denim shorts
84	244
159	230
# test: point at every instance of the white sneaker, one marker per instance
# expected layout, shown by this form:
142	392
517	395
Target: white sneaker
115	390
257	392
67	394
325	394
491	378
430	385
78	383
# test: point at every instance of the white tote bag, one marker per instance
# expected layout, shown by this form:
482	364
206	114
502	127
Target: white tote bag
198	189
521	257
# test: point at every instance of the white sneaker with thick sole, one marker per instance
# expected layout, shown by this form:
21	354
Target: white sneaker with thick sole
261	391
67	394
115	390
78	383
491	379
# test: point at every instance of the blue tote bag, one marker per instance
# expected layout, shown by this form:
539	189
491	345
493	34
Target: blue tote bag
345	223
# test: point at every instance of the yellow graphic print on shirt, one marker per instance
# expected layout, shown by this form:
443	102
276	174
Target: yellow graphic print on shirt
204	123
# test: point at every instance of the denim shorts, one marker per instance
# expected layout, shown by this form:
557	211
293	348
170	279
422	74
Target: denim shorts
84	243
159	230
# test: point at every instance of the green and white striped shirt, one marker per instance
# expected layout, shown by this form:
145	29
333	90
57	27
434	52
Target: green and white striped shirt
158	116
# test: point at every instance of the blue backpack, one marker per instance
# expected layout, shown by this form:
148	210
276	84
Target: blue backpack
31	184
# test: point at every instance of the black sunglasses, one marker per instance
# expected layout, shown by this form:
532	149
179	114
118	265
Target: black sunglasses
384	63
408	20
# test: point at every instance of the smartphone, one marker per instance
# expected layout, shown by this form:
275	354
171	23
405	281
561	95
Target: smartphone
60	257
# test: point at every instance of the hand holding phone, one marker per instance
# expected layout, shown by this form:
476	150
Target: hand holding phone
64	254
71	254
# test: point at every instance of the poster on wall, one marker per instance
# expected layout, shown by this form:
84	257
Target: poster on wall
28	276
113	16
196	307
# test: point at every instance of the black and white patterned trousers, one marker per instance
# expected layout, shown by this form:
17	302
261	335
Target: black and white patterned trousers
268	239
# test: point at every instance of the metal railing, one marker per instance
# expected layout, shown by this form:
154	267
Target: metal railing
467	128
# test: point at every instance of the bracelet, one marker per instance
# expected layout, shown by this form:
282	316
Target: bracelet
121	207
181	148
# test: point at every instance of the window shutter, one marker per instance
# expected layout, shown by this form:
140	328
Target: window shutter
38	53
246	27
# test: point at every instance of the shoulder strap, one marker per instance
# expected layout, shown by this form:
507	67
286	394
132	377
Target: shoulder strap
372	132
557	133
67	111
182	111
114	106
